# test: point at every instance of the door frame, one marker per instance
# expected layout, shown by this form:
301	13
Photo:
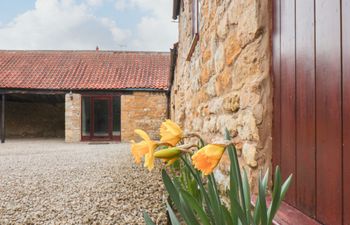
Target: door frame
91	137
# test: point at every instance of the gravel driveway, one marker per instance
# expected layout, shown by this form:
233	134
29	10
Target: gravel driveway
51	182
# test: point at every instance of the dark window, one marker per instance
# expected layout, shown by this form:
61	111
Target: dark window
101	117
116	115
86	116
176	8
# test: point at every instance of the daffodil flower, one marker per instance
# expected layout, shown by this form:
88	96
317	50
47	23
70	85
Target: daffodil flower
208	157
138	150
151	146
170	133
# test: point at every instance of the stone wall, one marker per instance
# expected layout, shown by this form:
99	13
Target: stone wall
143	110
30	119
73	117
227	81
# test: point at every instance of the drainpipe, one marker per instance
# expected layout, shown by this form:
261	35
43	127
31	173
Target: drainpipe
173	60
168	102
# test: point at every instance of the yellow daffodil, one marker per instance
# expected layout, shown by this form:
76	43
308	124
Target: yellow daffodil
170	133
152	145
208	157
138	150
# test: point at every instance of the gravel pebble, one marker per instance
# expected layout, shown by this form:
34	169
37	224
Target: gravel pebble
51	182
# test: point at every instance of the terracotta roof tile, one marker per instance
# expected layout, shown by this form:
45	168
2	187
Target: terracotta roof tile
84	70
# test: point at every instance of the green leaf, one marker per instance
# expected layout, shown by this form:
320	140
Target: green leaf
184	210
239	211
147	219
262	199
246	191
187	212
228	218
173	193
275	196
257	212
227	134
195	173
233	193
237	177
173	218
201	143
285	187
215	200
193	203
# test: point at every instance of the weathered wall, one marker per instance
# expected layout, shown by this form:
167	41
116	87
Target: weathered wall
34	119
73	118
227	82
142	110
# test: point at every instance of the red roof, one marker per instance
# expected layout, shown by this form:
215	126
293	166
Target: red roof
84	70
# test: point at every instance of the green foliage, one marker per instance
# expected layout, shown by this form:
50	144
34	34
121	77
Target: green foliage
197	199
148	219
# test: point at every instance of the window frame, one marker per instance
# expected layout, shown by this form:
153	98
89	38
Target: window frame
194	27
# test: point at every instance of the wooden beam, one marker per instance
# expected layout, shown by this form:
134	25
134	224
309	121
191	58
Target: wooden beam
2	128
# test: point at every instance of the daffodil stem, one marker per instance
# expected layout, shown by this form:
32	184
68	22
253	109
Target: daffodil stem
192	135
187	148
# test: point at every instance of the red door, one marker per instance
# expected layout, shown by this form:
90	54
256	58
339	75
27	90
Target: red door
311	129
101	118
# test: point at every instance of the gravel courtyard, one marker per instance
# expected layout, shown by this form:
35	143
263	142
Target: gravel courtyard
51	182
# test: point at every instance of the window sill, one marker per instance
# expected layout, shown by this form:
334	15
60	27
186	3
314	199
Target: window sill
193	46
288	215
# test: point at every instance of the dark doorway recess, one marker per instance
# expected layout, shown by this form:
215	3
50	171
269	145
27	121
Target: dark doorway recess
100	118
34	115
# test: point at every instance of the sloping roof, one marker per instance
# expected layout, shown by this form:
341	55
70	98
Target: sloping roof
84	70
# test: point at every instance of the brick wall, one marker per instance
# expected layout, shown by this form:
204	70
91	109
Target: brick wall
73	118
30	119
144	110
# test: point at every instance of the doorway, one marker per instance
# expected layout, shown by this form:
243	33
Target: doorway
100	118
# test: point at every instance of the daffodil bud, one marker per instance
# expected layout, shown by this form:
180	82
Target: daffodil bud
167	153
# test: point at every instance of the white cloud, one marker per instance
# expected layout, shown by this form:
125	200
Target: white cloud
155	31
121	5
154	34
95	2
55	24
65	24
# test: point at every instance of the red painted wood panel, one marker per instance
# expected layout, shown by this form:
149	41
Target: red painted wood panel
328	112
305	107
288	153
276	52
346	110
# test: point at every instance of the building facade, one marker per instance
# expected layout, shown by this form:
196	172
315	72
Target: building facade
83	95
275	73
222	77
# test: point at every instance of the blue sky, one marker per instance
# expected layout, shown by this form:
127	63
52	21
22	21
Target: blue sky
83	24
